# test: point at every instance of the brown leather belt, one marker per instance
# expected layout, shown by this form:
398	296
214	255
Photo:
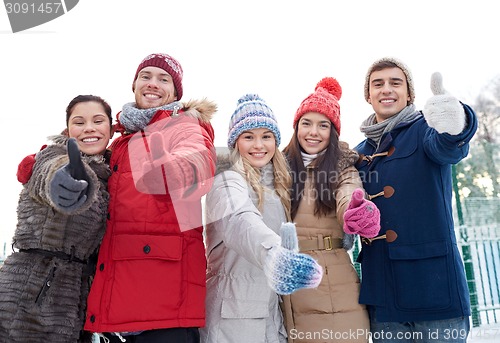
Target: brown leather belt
320	243
57	254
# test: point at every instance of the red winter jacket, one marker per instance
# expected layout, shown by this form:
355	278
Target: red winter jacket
151	266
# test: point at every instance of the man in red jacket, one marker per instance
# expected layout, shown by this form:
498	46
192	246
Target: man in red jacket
150	279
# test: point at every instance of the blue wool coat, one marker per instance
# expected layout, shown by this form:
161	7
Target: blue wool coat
420	275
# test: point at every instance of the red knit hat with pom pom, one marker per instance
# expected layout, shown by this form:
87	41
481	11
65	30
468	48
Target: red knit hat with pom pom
324	100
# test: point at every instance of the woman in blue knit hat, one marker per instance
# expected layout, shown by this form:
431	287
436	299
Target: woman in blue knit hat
249	263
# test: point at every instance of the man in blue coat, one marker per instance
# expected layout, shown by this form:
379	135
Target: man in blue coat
413	279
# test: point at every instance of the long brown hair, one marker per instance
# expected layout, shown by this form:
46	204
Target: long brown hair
324	172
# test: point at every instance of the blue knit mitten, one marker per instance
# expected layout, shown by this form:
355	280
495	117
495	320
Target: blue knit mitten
288	271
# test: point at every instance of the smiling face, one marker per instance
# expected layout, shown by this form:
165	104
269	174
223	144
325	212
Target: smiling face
313	132
388	92
154	87
90	126
257	146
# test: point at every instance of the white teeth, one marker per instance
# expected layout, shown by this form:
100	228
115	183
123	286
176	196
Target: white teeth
384	101
88	140
152	96
258	154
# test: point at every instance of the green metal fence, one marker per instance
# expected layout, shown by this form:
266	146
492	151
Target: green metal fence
484	245
479	237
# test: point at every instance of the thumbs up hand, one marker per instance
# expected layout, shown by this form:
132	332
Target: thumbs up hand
443	112
362	216
68	187
286	269
75	166
288	234
152	179
157	146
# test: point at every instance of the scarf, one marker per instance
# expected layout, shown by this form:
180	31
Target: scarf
267	175
374	130
134	119
308	158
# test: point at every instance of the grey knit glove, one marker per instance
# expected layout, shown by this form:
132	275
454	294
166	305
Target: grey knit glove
68	187
443	112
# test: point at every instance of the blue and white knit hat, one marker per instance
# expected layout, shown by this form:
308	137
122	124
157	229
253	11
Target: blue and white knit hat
252	112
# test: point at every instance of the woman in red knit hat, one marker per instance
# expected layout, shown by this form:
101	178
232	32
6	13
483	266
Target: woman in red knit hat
328	207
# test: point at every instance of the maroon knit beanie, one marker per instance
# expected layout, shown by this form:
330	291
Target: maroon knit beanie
324	100
167	63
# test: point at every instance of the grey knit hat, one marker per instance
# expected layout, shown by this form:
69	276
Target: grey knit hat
378	64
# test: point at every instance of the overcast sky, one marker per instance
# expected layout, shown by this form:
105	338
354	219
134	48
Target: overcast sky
278	49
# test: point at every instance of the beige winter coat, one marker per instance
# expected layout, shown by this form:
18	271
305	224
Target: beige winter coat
330	313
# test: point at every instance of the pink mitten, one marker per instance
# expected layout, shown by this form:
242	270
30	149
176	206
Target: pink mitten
362	217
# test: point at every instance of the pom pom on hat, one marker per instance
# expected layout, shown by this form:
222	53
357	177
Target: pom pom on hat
324	100
252	112
167	63
331	85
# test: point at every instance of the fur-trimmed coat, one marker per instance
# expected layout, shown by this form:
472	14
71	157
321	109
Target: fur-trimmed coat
43	297
151	264
331	312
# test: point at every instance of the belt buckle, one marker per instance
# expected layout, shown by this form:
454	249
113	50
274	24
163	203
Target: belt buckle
328	242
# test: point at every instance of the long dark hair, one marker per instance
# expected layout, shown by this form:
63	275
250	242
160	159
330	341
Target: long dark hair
324	171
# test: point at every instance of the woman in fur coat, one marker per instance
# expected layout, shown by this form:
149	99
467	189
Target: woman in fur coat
247	266
324	181
61	212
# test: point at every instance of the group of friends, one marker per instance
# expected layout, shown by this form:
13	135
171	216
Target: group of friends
113	244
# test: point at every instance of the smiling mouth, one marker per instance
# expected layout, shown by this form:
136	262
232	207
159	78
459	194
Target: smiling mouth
90	140
258	154
151	96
